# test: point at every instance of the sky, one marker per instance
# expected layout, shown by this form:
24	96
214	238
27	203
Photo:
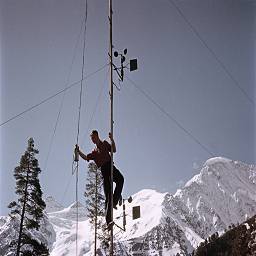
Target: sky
191	98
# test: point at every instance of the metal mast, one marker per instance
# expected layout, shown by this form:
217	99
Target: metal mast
111	122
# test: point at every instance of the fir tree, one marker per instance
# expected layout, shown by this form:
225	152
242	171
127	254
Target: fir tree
95	201
30	205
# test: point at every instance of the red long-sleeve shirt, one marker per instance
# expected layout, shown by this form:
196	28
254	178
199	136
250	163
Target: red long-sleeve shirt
100	155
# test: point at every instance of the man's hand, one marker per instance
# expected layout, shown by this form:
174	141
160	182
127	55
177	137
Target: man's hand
110	136
80	153
112	142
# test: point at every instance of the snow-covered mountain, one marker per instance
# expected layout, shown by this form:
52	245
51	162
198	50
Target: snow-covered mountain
9	230
52	205
66	228
57	230
224	192
70	213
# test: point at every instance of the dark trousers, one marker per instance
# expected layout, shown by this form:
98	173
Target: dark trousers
119	180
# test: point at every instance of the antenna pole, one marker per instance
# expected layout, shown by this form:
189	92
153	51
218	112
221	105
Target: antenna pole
96	212
111	253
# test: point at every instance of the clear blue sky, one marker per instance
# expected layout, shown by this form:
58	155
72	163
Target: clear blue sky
208	87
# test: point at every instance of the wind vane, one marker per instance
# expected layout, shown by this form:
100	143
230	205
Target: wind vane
120	70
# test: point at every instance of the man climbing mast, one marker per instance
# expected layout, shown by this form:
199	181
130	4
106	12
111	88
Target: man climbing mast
100	155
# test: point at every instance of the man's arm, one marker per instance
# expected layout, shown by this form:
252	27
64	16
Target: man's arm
82	155
112	142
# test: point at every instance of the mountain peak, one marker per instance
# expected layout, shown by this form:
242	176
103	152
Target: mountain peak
52	205
222	193
217	160
76	204
71	211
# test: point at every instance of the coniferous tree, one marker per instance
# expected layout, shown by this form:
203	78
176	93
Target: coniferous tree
95	201
30	205
238	241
